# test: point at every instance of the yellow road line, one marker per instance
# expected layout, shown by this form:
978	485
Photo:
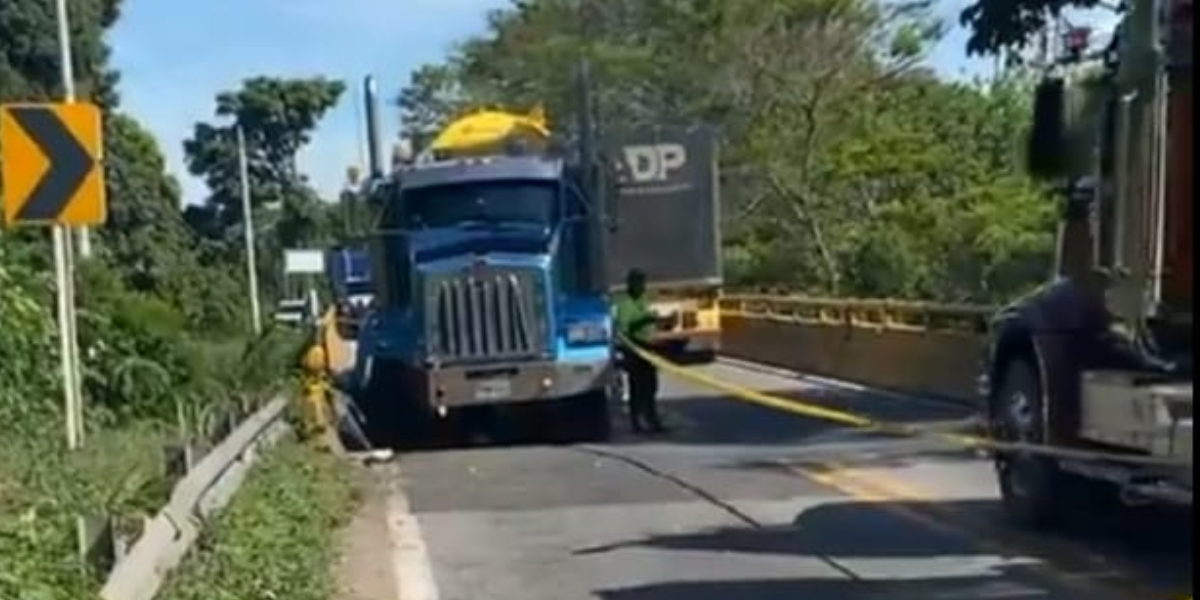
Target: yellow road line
884	490
859	487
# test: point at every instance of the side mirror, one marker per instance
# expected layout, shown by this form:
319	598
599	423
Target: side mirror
1047	154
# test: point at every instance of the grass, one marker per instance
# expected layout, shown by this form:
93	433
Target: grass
43	489
277	538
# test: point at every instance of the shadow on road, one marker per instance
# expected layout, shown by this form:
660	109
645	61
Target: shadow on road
719	420
891	550
952	588
699	420
708	420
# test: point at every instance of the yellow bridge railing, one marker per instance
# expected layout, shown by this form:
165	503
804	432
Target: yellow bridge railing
878	314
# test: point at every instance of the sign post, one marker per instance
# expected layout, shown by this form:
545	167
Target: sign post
50	164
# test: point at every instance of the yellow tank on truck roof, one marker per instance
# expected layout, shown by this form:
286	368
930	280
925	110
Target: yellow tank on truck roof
489	132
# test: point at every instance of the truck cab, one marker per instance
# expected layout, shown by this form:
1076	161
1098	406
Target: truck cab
1098	362
487	296
349	273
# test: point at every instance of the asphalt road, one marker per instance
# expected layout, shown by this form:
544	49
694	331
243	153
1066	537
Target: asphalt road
745	502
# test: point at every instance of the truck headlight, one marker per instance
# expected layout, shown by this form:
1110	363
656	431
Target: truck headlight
586	333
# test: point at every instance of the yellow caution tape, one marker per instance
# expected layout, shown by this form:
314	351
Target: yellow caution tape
808	409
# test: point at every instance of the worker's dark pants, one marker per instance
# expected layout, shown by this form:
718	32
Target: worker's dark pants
643	390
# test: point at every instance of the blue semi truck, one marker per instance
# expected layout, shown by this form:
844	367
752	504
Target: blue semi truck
490	292
349	274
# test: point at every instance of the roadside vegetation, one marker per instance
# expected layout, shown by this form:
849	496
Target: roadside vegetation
163	320
277	539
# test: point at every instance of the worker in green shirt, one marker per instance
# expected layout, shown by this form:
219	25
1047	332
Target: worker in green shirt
635	321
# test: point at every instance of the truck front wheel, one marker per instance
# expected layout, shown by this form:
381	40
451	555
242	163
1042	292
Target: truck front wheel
597	416
584	418
393	420
1033	489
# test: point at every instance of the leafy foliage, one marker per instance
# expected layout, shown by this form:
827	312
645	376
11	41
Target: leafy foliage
162	327
1002	25
277	117
847	167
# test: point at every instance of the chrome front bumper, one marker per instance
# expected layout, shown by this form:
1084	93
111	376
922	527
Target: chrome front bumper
476	385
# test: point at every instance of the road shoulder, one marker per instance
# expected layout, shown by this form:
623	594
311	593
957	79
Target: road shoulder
361	571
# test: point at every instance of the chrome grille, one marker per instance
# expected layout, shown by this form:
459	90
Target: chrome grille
491	313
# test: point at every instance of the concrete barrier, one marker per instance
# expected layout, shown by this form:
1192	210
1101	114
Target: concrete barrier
922	362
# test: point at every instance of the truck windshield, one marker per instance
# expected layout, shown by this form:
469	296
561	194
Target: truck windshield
532	202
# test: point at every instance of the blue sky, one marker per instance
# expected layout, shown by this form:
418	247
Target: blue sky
174	56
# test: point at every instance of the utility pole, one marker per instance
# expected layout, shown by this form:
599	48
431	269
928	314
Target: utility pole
64	264
68	81
248	226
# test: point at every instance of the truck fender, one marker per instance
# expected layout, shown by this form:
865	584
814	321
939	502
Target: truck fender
1014	341
1052	328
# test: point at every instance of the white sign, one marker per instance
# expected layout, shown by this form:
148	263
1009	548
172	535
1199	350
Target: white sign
654	162
308	262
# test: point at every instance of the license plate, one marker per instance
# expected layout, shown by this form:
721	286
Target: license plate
493	389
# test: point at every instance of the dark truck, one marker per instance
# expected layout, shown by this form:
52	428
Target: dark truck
665	200
1098	362
349	273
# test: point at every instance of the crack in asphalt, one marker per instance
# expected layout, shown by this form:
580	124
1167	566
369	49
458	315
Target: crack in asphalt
701	493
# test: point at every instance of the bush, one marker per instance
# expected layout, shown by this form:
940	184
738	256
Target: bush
143	367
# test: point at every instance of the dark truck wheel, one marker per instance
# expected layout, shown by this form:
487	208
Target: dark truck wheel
596	416
392	420
583	418
702	357
1035	492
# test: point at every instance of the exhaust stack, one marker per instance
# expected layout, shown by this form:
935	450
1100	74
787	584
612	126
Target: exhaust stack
371	99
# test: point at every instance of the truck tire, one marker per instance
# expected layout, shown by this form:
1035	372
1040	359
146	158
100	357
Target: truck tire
1034	491
597	416
391	421
376	414
584	418
703	357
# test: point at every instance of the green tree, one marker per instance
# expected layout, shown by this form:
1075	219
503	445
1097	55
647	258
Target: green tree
847	167
277	118
1001	25
430	97
29	60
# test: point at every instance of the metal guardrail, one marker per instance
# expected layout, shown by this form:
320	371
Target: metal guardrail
208	487
885	315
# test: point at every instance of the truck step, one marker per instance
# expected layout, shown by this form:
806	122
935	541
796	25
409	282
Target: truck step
1138	485
1123	409
1160	491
